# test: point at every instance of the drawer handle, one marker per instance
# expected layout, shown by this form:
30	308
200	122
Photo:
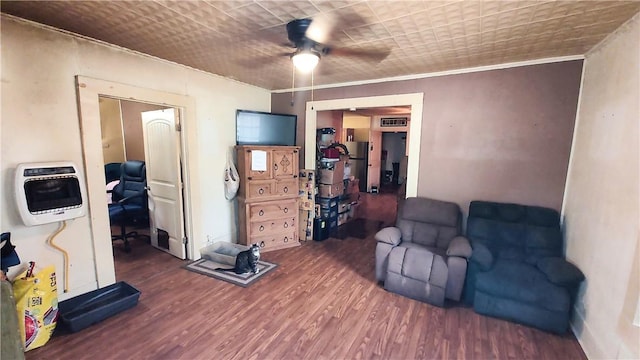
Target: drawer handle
262	244
261	212
261	228
286	239
275	167
286	225
285	189
261	191
285	210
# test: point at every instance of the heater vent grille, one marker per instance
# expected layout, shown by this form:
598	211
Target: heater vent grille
393	122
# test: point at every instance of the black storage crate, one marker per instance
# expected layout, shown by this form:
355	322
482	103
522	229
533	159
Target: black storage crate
87	309
320	229
327	203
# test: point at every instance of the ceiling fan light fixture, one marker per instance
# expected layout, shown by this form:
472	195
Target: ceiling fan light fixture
306	60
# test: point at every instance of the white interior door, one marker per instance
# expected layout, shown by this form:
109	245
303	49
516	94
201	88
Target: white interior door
375	154
162	157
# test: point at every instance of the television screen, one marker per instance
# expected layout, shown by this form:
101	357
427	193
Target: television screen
261	128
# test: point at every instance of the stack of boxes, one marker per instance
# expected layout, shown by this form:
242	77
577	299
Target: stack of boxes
307	195
330	188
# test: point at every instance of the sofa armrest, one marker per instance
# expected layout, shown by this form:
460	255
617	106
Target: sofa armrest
482	256
459	246
559	271
389	235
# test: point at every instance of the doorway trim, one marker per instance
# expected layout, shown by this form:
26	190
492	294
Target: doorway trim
415	100
89	90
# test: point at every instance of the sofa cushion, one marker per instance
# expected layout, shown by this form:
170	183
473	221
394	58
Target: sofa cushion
418	264
522	282
505	212
431	211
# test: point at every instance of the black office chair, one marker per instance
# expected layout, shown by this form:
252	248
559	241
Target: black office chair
112	171
130	203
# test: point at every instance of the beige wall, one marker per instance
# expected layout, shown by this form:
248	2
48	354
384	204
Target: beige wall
501	135
111	127
40	123
330	119
601	207
132	123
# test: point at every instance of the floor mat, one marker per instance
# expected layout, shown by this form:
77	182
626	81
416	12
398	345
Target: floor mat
208	268
358	228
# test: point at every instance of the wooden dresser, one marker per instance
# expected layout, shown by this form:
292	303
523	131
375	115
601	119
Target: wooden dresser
268	196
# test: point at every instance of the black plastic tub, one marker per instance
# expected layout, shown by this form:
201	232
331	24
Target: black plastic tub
87	309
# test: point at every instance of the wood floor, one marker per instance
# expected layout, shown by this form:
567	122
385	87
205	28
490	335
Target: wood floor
322	302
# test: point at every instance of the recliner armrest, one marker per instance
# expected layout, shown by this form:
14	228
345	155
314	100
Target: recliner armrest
389	235
482	256
459	246
559	271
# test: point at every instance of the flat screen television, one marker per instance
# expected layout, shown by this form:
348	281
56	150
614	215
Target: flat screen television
262	128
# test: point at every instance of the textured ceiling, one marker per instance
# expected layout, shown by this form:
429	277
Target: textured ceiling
244	40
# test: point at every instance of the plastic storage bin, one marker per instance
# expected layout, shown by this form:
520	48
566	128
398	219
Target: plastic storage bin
87	309
222	252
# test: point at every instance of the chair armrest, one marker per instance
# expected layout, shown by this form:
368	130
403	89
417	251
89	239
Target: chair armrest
482	256
459	246
129	198
389	235
559	271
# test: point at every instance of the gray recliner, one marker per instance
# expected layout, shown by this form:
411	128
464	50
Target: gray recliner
424	257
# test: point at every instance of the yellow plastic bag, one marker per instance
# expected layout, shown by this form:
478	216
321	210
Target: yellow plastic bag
37	303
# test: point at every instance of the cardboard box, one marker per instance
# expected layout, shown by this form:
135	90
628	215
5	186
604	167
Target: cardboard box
307	189
353	211
307	204
307	175
305	232
353	186
329	191
332	176
342	218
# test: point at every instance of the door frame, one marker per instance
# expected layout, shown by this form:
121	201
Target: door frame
88	91
415	100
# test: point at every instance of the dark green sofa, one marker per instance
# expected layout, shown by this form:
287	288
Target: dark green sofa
517	271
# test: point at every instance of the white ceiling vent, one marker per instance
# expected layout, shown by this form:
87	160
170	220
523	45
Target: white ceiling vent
393	122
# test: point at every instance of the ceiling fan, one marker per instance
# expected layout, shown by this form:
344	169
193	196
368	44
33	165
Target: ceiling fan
310	38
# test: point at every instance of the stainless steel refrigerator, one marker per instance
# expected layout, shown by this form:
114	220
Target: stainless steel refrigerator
359	161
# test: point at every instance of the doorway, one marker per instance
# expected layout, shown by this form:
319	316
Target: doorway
89	90
375	139
137	131
415	101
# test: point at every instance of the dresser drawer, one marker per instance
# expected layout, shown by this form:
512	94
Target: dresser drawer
272	210
267	227
287	187
260	189
277	241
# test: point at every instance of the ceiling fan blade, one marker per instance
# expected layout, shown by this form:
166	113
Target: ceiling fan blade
321	28
374	55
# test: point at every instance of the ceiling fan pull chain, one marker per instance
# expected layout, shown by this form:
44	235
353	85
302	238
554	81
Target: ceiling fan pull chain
312	72
293	83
